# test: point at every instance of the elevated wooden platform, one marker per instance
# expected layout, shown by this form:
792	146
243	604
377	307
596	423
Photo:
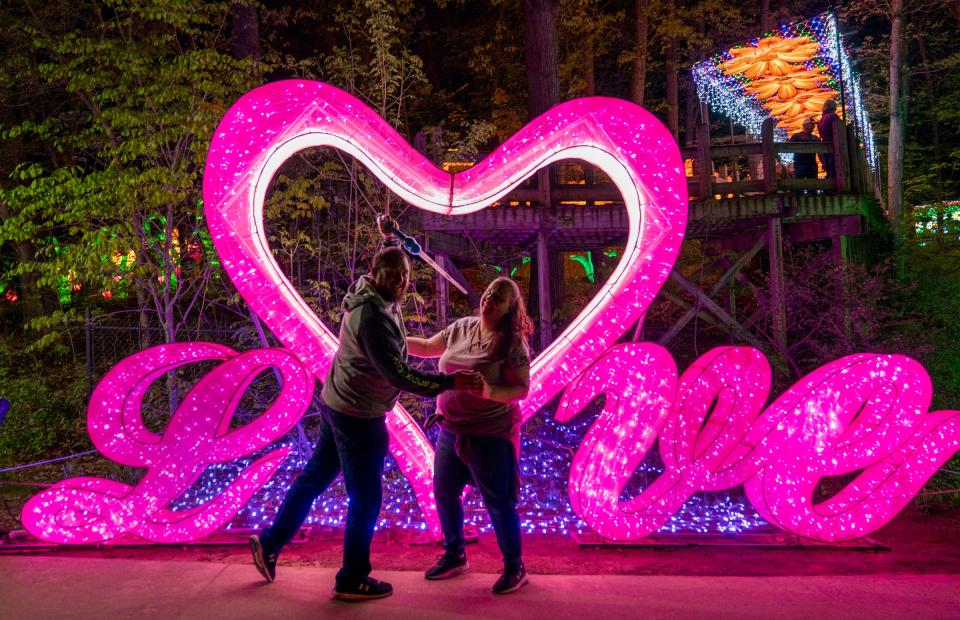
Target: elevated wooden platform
574	208
575	228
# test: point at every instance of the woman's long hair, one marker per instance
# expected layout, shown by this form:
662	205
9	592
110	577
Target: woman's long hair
515	326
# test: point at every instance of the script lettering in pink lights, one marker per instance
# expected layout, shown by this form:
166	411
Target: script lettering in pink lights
862	412
85	510
865	413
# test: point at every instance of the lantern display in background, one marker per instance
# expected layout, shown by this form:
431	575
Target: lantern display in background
786	75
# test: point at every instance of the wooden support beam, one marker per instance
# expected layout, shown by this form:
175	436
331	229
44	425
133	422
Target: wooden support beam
721	314
777	303
443	288
544	187
695	310
704	162
840	163
769	161
742	279
701	314
557	288
732	308
543	288
838	243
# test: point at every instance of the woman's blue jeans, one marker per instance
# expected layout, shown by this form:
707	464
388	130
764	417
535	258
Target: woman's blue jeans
493	470
357	447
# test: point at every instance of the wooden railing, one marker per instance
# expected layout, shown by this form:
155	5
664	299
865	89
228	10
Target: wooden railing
852	174
768	176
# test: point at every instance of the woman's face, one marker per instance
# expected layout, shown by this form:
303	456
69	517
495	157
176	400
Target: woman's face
497	301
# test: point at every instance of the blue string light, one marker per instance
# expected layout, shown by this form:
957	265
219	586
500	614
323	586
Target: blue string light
544	508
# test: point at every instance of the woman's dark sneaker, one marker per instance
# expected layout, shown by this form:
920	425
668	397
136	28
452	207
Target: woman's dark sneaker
513	578
449	565
367	589
266	563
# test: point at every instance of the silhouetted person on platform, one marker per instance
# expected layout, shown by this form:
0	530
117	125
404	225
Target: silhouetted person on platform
805	164
829	131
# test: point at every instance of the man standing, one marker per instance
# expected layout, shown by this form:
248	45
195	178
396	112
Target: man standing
805	164
828	133
367	374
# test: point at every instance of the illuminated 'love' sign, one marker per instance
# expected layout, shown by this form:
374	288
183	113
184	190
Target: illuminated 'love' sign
863	412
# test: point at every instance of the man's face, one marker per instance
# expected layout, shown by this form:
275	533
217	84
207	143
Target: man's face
391	280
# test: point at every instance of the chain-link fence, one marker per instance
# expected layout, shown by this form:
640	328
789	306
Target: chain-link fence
111	338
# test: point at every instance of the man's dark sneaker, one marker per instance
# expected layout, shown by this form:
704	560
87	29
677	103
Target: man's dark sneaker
513	578
266	563
449	565
369	588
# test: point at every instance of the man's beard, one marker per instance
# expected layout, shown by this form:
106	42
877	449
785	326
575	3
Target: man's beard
390	296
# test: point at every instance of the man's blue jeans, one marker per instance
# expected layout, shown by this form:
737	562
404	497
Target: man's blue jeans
357	447
493	469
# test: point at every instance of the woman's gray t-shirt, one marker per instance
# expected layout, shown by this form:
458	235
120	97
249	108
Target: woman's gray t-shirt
466	350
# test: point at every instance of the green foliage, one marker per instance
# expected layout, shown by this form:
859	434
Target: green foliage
116	167
931	162
46	408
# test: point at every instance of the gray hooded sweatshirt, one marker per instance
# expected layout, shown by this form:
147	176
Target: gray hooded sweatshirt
370	367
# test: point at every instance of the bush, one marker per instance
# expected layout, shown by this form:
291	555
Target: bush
47	408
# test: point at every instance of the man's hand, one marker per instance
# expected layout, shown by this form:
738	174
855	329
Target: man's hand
387	225
468	380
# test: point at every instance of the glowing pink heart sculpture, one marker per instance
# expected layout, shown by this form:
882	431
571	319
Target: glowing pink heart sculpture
268	125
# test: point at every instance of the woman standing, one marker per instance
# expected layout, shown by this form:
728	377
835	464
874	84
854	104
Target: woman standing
479	440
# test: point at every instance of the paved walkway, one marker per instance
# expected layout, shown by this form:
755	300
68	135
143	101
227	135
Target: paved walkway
66	587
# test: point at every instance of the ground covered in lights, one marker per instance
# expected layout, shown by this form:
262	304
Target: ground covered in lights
546	452
918	541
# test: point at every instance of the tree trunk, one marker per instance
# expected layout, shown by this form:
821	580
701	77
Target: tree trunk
589	79
954	7
540	28
934	124
691	100
31	297
898	113
691	104
764	16
673	94
638	76
246	30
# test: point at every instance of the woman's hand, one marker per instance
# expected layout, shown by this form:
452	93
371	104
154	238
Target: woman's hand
516	386
487	391
468	380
